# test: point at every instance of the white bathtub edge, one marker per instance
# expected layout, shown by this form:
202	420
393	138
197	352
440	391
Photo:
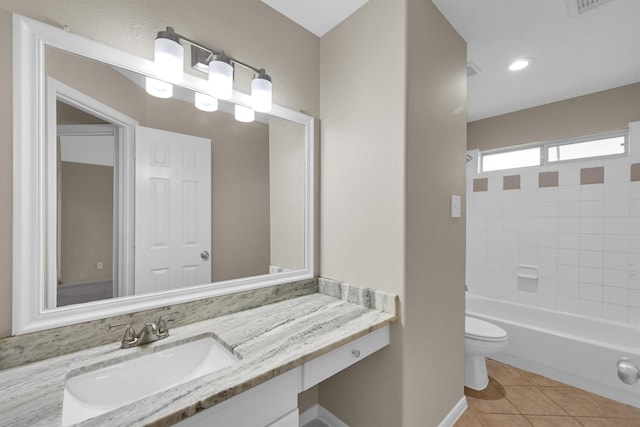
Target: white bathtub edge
584	355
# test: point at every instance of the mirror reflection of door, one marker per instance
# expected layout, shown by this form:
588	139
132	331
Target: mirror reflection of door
86	212
173	210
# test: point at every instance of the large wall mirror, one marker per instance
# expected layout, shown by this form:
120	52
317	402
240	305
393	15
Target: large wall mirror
124	201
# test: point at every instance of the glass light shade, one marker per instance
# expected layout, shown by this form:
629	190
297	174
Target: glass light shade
221	78
205	102
261	94
158	88
244	114
169	59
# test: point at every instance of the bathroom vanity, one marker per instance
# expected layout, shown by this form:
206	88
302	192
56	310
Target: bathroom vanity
277	399
282	349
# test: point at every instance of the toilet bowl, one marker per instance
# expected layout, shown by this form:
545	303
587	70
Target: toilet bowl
481	339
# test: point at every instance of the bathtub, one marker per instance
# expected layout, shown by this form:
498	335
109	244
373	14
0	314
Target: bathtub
576	350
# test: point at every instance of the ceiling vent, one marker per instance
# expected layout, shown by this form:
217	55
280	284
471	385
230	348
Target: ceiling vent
472	69
578	7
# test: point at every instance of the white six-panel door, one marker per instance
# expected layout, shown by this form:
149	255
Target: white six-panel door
173	210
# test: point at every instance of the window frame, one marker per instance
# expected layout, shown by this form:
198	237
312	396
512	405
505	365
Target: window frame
588	138
545	146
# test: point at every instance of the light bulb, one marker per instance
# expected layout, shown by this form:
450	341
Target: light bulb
205	102
221	77
244	114
261	92
520	64
158	88
169	56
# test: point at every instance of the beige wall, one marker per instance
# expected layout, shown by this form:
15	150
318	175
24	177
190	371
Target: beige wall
68	115
96	80
287	191
435	243
86	216
362	107
362	111
248	30
597	112
393	109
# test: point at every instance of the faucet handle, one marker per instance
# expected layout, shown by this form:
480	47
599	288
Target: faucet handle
129	333
162	323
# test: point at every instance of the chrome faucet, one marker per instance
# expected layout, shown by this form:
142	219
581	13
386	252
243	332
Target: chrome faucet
150	332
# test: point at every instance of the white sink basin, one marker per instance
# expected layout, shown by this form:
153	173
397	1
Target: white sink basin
89	394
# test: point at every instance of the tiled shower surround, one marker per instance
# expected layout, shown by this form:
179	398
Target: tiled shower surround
578	223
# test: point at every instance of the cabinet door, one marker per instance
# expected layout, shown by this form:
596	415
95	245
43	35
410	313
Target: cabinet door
257	407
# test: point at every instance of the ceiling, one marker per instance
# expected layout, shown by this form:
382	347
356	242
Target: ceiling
317	16
574	54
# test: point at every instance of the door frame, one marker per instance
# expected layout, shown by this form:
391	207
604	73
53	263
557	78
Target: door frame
124	179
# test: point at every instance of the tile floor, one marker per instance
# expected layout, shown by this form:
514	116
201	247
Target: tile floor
517	398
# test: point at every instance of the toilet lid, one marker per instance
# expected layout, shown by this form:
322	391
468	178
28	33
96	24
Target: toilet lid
481	330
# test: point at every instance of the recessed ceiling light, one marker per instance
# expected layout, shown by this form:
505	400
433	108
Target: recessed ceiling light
520	64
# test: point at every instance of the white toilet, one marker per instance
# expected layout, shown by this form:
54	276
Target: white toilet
481	339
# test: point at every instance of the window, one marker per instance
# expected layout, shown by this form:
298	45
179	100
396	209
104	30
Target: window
587	149
518	158
602	145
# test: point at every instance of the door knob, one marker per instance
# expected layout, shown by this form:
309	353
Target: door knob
204	255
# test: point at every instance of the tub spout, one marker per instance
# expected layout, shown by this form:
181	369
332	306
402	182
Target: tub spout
628	372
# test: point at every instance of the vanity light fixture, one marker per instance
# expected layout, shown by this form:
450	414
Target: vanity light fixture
206	102
520	64
221	76
169	57
244	114
261	92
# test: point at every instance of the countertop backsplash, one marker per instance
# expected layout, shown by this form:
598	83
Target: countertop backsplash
35	346
32	347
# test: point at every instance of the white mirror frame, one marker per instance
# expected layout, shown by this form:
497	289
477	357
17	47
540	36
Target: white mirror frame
32	191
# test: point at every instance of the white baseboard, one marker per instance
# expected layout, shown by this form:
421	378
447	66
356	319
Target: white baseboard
454	414
318	412
309	415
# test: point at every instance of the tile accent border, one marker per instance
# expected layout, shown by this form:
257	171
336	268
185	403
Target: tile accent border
480	184
592	175
369	298
511	182
22	349
635	172
548	179
588	176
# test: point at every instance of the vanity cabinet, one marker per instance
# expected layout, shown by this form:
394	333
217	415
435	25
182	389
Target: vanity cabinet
275	403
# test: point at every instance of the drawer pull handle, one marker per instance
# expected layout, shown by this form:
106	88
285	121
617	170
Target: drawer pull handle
356	353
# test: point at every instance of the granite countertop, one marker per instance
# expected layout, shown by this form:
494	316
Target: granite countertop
270	340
